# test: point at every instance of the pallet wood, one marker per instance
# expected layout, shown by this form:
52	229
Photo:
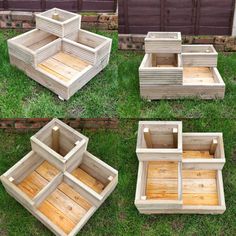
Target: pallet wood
53	195
192	184
63	65
163	42
192	75
199	55
65	23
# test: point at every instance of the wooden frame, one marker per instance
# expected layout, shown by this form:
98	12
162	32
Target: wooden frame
199	55
58	22
186	182
62	65
161	69
193	76
163	42
166	139
62	199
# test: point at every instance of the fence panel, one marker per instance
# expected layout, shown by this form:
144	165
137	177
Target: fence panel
191	17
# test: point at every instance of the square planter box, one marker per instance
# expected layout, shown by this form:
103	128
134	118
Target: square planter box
59	144
163	42
64	66
199	55
159	140
62	199
58	22
25	46
203	151
166	188
198	82
161	69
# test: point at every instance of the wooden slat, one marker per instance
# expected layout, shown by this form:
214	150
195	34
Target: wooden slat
199	174
197	154
87	179
41	43
200	199
75	196
47	170
32	184
56	216
71	61
197	75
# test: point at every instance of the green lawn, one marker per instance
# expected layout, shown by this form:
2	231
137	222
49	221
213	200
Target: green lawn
118	215
113	93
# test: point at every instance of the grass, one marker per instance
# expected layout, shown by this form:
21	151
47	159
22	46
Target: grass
118	215
112	93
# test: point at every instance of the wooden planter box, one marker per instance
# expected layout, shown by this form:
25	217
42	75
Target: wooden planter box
63	200
190	182
62	65
159	140
163	42
64	24
199	55
160	69
198	82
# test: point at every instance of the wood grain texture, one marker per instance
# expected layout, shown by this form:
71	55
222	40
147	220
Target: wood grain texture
197	154
87	179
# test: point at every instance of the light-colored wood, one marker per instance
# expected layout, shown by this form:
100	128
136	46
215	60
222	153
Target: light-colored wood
147	137
175	137
197	154
55	138
213	146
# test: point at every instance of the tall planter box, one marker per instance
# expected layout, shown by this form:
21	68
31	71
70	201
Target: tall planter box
62	198
66	22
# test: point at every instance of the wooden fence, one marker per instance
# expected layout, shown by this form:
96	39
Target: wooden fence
191	17
75	6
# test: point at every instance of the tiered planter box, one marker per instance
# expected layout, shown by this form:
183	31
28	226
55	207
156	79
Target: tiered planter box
60	183
192	184
169	75
63	65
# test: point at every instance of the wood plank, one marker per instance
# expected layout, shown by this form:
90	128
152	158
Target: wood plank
75	196
162	186
41	43
55	138
147	137
159	170
207	199
197	154
200	75
163	196
47	170
32	184
199	174
66	205
87	179
56	216
71	61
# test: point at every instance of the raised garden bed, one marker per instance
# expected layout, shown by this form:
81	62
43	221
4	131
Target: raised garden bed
63	199
192	184
190	74
63	65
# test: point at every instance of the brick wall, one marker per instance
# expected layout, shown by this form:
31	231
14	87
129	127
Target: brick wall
26	20
33	124
221	43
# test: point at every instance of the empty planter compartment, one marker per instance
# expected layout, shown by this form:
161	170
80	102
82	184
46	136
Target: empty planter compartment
199	55
66	207
25	46
160	69
159	140
94	175
163	42
159	186
203	151
58	22
59	144
29	177
98	44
